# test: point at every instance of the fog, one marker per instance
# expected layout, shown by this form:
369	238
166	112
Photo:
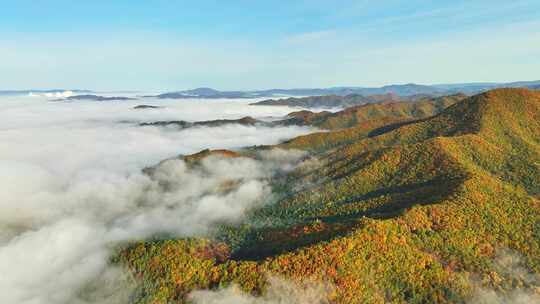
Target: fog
72	186
510	265
279	291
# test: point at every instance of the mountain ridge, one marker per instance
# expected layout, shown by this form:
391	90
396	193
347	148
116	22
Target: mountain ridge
401	90
332	121
417	212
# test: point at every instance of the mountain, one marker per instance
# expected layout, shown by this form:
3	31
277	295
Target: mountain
474	88
90	97
400	90
205	93
305	92
181	124
409	90
335	101
399	111
403	90
329	101
144	106
427	210
360	122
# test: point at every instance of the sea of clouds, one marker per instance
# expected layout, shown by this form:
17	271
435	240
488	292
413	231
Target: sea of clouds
72	187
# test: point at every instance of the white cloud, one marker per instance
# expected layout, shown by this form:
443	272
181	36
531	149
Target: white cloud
73	187
62	94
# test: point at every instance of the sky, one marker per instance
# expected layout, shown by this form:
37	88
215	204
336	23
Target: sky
164	45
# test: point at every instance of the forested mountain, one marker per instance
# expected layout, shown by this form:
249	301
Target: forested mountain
330	101
398	202
335	101
373	112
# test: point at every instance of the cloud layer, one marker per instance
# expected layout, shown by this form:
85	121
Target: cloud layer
73	188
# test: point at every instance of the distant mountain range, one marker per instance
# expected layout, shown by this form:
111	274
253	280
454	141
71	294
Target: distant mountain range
90	97
404	110
336	101
401	90
205	93
327	101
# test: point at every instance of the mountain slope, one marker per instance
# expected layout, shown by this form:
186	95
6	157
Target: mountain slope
372	114
366	121
328	101
419	212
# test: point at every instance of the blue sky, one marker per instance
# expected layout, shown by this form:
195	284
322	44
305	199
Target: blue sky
165	45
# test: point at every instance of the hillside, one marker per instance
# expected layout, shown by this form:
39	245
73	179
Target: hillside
335	101
182	124
350	117
359	122
330	101
407	210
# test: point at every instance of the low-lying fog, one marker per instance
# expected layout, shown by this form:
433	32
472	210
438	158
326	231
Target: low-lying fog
72	186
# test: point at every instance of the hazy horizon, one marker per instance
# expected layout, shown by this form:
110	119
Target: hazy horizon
135	90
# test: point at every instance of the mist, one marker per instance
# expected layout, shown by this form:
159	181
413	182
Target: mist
507	265
279	291
73	187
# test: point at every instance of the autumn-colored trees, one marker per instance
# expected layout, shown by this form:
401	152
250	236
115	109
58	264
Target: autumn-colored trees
417	212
